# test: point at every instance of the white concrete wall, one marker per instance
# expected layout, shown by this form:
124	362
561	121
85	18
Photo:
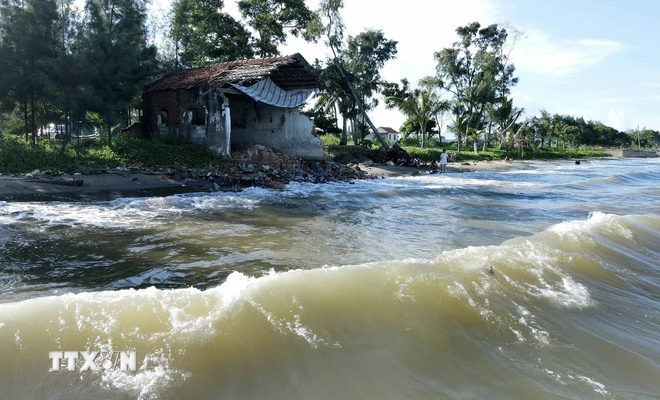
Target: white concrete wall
217	136
198	134
633	153
283	129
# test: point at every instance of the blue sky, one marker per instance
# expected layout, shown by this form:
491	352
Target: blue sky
616	79
593	58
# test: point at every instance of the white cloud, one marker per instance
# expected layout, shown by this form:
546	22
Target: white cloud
421	28
618	119
616	100
631	99
538	52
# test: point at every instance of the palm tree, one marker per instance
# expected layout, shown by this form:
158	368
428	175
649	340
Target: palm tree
421	106
558	129
505	116
336	96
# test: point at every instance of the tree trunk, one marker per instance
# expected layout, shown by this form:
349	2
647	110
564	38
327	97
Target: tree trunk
382	142
487	136
25	118
33	126
422	131
65	139
354	132
344	134
109	130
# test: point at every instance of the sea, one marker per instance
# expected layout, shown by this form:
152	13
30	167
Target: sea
371	289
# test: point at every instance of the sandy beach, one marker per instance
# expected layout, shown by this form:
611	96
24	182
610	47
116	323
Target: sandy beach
93	187
115	184
455	167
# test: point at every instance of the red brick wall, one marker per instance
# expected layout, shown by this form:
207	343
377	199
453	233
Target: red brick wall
175	102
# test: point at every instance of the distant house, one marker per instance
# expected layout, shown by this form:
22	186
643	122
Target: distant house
386	133
231	106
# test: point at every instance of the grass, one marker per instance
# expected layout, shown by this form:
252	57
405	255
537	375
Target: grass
16	156
430	154
351	153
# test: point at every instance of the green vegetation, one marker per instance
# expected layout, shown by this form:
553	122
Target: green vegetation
78	68
353	154
471	89
356	154
18	157
430	154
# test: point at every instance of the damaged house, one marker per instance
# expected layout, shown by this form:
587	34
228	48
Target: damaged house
234	105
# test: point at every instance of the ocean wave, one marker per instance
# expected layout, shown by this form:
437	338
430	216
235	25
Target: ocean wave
438	305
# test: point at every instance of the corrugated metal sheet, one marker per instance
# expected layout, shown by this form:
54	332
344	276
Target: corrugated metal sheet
266	91
288	72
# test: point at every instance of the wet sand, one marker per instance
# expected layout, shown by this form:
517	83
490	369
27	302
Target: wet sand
112	185
94	186
456	167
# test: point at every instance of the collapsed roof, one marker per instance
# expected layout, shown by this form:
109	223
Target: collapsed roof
287	72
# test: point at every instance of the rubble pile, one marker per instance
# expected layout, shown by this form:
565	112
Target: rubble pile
262	166
256	166
399	156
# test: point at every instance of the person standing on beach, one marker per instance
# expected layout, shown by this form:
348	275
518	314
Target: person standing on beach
443	160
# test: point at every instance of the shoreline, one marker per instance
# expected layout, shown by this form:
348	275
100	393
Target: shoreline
91	187
391	171
113	184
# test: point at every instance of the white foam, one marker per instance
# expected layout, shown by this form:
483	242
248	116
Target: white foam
580	229
121	213
597	386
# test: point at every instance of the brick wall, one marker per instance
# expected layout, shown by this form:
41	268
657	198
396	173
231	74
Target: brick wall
175	102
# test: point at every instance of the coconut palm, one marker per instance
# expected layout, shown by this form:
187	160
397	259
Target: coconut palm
421	106
505	116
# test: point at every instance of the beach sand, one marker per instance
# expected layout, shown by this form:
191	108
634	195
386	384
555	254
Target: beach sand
105	186
115	184
387	171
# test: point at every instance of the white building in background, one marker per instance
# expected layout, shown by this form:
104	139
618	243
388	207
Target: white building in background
386	133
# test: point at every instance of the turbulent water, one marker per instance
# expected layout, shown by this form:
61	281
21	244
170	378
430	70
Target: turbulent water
371	290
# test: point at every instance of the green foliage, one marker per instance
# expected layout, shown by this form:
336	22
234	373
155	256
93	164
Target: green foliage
567	131
11	123
323	119
646	138
353	154
203	33
16	157
274	20
420	106
114	42
364	56
27	50
424	154
354	68
477	72
429	155
329	140
410	141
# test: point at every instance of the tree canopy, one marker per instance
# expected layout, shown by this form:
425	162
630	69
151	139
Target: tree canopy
59	64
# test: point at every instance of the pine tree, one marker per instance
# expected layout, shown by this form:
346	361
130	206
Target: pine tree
117	56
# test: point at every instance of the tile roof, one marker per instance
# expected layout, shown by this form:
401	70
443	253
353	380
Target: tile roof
288	72
387	129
